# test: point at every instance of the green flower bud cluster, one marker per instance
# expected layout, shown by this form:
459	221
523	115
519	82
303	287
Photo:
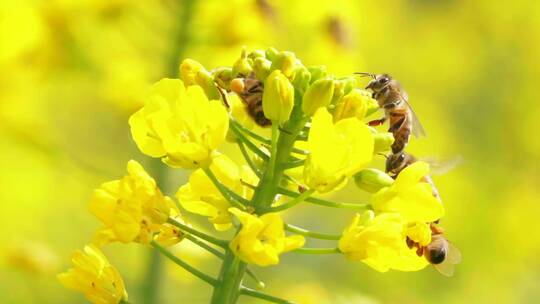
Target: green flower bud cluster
287	83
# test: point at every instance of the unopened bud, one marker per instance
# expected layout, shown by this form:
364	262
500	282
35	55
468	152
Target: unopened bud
383	142
223	77
271	53
261	67
257	54
286	62
372	180
354	104
319	94
317	72
194	73
301	79
242	66
278	97
342	87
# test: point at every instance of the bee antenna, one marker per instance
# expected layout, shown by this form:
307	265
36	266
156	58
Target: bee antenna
382	154
365	74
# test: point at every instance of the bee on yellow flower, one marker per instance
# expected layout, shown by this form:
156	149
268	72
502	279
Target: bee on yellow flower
410	196
262	239
179	124
95	277
336	151
380	242
132	208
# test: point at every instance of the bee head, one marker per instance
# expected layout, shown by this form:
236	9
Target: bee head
397	162
379	82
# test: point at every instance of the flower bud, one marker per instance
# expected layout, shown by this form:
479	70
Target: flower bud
261	67
342	87
242	66
353	104
223	77
317	72
278	97
301	79
286	62
383	142
372	180
194	73
271	53
257	54
319	94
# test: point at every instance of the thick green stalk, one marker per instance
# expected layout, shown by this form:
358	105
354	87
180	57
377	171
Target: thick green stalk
268	186
230	279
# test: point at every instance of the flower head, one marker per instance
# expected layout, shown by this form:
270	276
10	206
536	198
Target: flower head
179	124
201	196
262	239
131	208
336	151
380	242
410	196
92	275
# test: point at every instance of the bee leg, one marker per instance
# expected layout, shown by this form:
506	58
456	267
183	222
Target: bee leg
223	94
377	122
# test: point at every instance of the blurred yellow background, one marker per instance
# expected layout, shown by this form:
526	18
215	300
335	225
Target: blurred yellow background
73	71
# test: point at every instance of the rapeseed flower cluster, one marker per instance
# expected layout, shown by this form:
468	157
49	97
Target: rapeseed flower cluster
318	141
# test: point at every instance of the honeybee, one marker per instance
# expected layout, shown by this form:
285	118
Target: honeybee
440	252
396	162
394	101
250	90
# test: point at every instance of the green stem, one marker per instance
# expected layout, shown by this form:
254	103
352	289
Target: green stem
199	274
263	296
293	164
221	255
262	139
197	233
230	279
233	198
248	159
317	250
273	148
315	235
294	201
326	203
268	185
204	246
250	145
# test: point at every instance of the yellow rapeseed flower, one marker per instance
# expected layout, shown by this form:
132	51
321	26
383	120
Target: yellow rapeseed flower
410	196
132	208
201	196
380	242
179	124
93	276
336	151
262	239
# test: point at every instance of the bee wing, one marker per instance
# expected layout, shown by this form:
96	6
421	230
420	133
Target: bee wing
417	128
439	167
445	268
454	255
